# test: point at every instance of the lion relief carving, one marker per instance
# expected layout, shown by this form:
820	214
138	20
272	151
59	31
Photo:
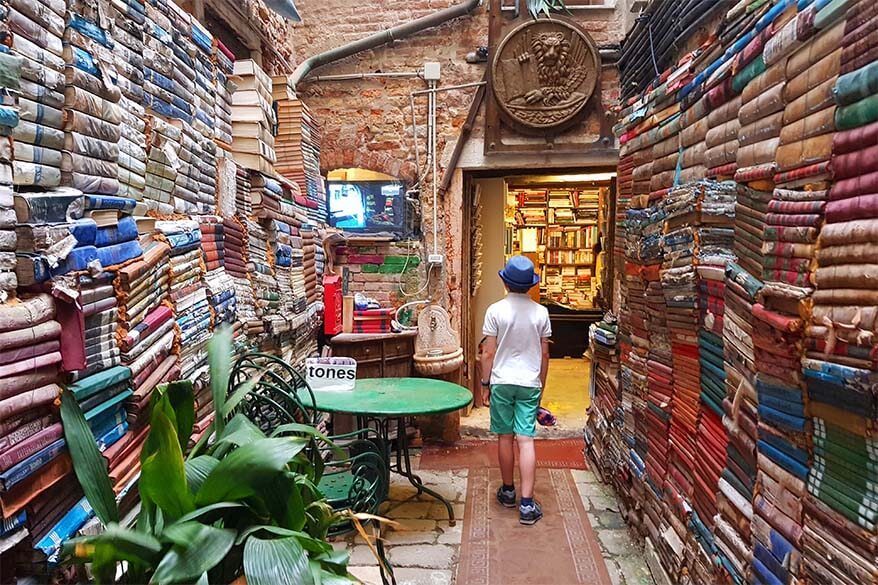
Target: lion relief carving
543	77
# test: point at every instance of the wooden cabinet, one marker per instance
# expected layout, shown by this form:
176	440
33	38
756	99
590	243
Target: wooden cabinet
378	356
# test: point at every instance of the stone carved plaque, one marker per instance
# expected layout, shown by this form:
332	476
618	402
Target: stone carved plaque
543	74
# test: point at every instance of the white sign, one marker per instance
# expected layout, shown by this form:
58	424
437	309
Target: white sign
334	373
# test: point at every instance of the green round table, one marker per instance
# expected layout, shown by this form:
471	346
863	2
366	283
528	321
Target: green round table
395	397
383	401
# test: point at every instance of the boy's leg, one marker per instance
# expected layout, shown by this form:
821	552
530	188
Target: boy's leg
502	423
526	405
507	459
527	465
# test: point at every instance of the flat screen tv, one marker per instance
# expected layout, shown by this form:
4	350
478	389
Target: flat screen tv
367	206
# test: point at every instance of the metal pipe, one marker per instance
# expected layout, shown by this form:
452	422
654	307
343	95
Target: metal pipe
378	75
433	179
415	137
382	38
435	90
610	6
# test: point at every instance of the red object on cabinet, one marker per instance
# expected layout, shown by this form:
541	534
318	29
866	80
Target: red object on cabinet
332	300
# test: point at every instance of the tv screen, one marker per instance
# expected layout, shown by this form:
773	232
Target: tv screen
375	206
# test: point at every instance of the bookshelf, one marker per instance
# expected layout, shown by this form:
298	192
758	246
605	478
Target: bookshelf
558	225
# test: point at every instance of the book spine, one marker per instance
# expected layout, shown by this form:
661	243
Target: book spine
108	202
114	434
22	432
8	525
84	230
119	253
72	521
24	469
125	231
29	446
43	209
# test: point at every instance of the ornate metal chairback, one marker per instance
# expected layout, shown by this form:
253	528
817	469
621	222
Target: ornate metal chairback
280	396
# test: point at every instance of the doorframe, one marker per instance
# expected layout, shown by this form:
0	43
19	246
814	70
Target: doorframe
468	328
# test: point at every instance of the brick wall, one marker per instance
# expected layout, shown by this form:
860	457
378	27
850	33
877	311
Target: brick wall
377	269
367	123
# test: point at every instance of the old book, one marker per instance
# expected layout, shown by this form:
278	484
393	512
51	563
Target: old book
32	444
57	206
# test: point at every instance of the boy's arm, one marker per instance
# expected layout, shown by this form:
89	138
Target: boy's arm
544	364
489	350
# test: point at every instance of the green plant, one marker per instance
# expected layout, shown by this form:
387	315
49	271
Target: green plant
537	7
242	503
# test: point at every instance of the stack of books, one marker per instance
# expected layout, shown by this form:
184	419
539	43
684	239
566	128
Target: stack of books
253	118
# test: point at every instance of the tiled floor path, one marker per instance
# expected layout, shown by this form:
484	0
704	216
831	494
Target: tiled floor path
424	549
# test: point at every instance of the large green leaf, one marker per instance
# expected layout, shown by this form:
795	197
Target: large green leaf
198	469
196	549
281	561
240	431
181	397
163	476
88	463
219	359
209	514
284	501
239	393
308	542
122	544
247	468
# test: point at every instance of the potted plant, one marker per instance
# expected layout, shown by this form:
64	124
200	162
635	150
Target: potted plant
242	506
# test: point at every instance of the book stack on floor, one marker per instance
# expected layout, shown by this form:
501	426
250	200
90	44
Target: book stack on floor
715	244
841	509
91	111
298	143
193	187
163	142
101	396
606	418
253	118
261	274
280	235
297	275
188	294
193	97
62	231
224	62
735	488
9	120
220	286
36	29
680	288
373	320
200	50
146	333
127	33
32	455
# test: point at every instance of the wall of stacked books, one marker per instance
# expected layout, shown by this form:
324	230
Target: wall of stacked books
736	384
141	209
558	228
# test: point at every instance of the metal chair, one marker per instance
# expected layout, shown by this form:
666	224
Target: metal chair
353	471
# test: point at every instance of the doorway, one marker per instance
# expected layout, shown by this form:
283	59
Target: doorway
563	223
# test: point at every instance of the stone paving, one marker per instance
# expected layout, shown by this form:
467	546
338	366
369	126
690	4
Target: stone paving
424	549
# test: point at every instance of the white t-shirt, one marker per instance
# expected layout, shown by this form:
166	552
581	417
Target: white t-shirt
520	325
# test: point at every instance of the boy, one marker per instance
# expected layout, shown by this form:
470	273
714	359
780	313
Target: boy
515	362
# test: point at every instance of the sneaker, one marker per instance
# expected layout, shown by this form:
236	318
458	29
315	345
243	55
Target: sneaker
506	497
530	514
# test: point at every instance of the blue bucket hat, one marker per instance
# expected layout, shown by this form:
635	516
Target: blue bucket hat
519	273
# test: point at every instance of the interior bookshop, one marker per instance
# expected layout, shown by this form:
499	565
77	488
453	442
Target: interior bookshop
561	223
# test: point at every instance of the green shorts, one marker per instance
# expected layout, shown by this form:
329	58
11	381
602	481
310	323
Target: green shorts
514	410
